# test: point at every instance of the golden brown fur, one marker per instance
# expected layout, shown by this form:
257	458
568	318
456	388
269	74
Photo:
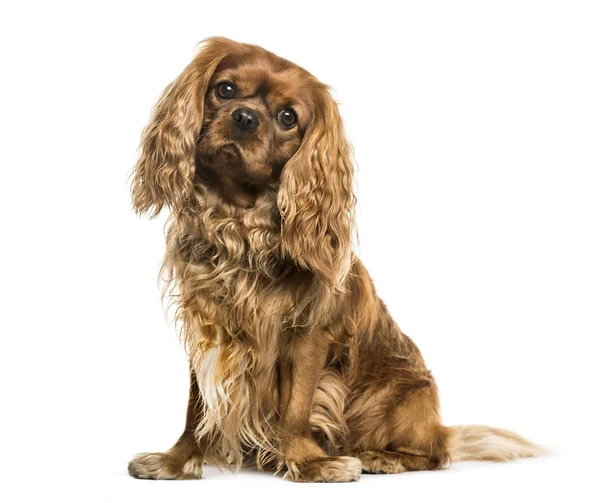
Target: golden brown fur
295	362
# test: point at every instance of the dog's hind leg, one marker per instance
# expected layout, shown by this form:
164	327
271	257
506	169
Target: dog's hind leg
410	438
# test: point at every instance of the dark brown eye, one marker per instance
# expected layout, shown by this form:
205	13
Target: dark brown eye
225	90
287	118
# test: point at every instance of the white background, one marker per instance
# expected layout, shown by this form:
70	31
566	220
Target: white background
476	127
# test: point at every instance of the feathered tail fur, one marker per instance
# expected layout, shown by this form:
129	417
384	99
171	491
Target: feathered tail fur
484	443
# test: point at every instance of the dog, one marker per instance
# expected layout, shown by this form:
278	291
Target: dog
295	363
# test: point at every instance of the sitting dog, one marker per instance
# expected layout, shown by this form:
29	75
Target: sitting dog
295	363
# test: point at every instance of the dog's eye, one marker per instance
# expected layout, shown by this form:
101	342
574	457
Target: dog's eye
225	90
287	118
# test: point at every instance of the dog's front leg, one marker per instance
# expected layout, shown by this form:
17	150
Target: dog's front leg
300	369
185	459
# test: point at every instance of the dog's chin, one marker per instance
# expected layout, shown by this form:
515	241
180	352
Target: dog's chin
229	161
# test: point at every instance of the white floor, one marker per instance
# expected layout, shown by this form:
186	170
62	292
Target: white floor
565	477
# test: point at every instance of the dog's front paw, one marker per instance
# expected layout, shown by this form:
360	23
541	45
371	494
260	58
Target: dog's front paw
164	466
326	469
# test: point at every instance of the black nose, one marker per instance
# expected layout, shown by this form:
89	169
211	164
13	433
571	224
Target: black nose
244	120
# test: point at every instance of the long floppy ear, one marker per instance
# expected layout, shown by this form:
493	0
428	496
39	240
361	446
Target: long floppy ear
316	199
164	173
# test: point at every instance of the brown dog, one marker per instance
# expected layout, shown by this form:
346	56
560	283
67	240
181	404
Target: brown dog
294	361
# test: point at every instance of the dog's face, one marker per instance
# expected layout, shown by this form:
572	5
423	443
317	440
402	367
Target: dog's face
256	111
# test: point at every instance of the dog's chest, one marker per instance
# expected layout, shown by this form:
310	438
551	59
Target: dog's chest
235	273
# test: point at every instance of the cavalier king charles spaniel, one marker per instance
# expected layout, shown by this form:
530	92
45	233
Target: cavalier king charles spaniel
295	363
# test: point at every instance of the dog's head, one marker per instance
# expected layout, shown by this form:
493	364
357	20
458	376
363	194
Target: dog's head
240	119
256	110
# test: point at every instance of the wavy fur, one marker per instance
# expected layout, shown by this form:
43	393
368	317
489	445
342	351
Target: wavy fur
294	360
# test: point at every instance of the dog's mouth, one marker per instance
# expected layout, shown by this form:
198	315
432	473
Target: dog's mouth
231	158
231	150
225	153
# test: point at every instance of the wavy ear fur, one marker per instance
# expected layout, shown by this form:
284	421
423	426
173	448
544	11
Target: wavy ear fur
316	199
164	173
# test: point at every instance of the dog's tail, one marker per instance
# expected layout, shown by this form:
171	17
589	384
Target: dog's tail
484	443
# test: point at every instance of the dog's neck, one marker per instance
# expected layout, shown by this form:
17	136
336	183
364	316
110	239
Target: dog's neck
235	224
